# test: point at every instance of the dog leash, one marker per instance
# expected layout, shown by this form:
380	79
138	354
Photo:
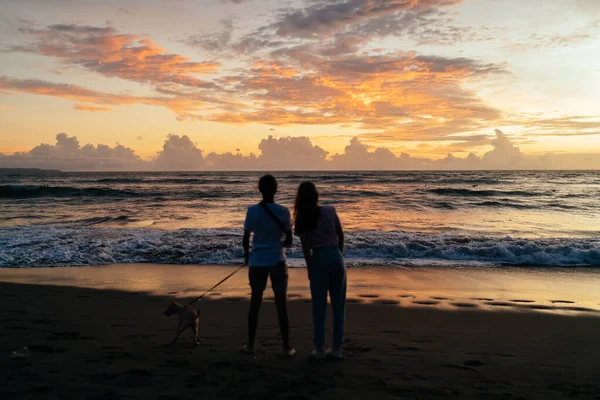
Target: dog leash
208	291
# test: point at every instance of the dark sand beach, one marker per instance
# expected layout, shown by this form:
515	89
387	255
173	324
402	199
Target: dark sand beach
110	344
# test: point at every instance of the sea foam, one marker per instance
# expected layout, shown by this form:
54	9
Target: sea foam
42	246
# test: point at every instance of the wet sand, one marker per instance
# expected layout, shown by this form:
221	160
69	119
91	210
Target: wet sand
568	291
90	343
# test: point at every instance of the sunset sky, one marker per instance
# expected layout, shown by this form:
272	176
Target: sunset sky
506	79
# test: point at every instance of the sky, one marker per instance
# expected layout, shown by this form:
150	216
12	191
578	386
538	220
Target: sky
299	84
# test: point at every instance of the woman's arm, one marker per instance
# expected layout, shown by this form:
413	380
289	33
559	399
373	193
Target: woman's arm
307	255
288	239
340	236
246	246
338	230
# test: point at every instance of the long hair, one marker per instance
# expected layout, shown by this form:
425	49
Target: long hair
306	209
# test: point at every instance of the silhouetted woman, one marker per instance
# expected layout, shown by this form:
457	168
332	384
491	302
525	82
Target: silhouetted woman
322	238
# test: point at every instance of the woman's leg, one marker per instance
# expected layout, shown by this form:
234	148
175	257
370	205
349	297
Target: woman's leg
337	292
319	283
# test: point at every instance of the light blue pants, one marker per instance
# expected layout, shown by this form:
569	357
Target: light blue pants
327	274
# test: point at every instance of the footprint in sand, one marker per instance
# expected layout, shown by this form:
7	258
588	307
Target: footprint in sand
16	328
175	363
234	298
426	302
351	300
578	309
441	298
506	355
473	363
167	397
101	377
540	307
66	335
407	296
137	378
409	348
113	347
139	336
482	299
499	304
389	302
43	321
44	348
369	296
391	331
562	302
464	305
522	301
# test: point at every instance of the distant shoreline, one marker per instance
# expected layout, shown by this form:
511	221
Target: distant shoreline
29	171
43	170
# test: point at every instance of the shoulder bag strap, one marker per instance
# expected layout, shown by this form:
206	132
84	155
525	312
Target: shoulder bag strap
272	215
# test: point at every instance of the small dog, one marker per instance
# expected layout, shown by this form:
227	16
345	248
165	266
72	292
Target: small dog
188	318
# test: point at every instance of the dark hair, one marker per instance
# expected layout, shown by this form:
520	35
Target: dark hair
306	209
267	185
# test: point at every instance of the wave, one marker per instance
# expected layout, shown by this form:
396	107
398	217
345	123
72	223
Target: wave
35	246
172	181
31	191
20	191
482	193
102	220
116	180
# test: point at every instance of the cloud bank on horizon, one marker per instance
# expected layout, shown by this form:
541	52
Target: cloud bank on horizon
180	153
431	78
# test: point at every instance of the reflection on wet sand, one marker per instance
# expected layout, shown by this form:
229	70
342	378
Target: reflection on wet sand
547	290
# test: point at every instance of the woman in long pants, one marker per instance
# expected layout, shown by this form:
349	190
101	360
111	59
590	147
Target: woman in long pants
322	238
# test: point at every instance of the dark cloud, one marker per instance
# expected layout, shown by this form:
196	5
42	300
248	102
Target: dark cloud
213	42
325	18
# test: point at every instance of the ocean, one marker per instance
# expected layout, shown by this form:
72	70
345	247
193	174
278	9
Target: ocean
395	219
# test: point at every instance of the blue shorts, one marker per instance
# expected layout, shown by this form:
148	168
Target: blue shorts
279	278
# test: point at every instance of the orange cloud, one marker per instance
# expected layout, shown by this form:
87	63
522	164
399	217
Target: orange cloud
401	93
84	95
83	107
103	50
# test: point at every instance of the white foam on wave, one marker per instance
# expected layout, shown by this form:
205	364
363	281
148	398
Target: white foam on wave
37	246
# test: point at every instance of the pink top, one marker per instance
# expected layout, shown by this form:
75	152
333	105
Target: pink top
326	232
